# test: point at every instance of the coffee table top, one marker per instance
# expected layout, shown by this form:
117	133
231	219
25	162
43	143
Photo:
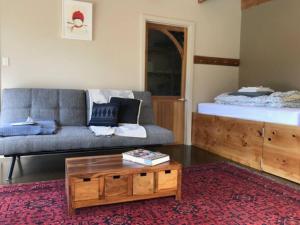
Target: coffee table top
109	163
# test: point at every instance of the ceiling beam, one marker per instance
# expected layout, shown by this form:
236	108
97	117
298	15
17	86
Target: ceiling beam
250	3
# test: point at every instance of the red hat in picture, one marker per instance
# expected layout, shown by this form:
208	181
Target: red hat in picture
78	15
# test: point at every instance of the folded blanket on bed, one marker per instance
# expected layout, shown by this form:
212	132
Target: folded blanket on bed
40	128
125	130
250	94
256	89
290	99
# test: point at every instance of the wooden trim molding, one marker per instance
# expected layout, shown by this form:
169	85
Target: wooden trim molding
216	61
250	3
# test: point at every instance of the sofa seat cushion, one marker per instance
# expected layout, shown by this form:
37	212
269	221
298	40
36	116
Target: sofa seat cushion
80	137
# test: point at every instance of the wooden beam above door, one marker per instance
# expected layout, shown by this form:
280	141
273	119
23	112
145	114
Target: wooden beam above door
216	61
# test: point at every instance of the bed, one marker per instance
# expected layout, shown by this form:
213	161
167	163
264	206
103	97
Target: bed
288	116
263	138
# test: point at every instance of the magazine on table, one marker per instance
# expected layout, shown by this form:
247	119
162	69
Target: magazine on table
146	157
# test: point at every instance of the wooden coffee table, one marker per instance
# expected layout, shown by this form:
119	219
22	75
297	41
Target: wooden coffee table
101	180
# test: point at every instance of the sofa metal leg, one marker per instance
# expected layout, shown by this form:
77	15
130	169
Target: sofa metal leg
11	169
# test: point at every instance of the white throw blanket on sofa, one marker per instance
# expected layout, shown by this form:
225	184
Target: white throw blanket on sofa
103	96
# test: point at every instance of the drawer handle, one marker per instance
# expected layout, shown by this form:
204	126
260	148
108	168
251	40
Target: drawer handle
167	171
116	177
143	174
86	179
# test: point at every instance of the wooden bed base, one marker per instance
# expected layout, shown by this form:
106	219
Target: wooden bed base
273	148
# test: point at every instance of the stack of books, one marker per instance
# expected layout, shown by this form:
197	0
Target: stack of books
146	157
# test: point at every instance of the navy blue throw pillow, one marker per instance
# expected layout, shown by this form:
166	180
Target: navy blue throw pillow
105	115
129	111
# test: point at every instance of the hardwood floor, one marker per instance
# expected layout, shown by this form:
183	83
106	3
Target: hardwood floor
49	167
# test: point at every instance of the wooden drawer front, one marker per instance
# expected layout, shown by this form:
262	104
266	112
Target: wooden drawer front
86	189
235	139
143	183
281	153
167	179
117	185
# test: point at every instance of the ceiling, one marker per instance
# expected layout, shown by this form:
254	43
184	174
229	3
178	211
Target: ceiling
245	3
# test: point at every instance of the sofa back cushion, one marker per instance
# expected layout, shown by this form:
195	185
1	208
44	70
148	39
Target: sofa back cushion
146	114
66	107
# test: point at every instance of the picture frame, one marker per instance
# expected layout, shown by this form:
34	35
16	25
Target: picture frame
77	20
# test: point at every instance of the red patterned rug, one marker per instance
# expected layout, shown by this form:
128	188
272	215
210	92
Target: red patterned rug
212	194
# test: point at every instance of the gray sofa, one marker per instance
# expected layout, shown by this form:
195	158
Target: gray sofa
69	109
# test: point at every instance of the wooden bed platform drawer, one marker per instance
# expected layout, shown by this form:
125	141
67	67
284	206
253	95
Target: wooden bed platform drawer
281	153
117	185
167	179
235	139
143	183
273	148
86	189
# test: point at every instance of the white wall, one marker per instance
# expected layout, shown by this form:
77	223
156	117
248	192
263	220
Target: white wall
39	57
218	35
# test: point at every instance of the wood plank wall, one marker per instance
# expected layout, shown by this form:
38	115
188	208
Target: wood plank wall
250	3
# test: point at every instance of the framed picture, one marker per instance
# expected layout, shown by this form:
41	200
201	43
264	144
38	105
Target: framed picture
77	20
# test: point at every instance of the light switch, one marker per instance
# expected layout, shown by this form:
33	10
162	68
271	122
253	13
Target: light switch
5	61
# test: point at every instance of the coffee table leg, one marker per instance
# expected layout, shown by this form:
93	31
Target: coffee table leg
178	194
71	211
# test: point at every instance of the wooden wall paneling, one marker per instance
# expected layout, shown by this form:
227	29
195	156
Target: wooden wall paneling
169	113
161	108
281	153
216	61
178	121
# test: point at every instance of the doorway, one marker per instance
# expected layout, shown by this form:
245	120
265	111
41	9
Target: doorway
165	75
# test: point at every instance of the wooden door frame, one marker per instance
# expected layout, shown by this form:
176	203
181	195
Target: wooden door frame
190	26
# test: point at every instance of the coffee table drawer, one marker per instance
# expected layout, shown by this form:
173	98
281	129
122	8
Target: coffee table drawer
116	185
86	189
167	179
143	183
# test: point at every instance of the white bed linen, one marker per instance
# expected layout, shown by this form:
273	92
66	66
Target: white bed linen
288	116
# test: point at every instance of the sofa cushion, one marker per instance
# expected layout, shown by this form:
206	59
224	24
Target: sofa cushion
66	107
105	115
80	137
146	115
129	109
